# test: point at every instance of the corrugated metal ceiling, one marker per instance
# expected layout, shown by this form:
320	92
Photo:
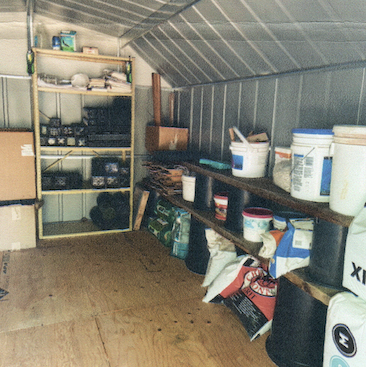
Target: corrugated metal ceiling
194	42
217	40
126	19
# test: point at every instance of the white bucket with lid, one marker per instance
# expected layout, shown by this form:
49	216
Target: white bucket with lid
312	151
256	221
250	161
188	187
348	184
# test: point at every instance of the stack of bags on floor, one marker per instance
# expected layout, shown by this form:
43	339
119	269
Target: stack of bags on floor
171	226
241	283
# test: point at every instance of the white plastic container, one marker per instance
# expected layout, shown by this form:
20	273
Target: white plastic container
312	151
348	184
188	187
248	162
255	222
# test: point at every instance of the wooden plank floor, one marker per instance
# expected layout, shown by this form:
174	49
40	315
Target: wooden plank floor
115	300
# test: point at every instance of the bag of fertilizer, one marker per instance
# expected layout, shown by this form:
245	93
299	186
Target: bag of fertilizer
254	305
234	276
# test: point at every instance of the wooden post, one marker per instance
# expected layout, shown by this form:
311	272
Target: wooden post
156	98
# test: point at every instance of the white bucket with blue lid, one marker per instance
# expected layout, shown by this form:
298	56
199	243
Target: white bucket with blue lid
312	152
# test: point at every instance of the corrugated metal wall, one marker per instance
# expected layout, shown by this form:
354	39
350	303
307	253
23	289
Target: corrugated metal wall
274	105
15	109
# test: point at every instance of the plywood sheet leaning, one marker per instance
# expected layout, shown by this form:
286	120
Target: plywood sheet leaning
141	197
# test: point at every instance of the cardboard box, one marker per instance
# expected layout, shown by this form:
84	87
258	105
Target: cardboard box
17	168
68	41
166	138
17	227
90	50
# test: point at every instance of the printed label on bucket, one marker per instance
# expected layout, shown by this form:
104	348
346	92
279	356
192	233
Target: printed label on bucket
326	176
237	162
302	168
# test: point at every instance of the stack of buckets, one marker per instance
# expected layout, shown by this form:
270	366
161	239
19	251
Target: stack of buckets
249	159
348	185
329	166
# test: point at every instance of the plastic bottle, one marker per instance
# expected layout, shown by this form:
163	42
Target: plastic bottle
40	36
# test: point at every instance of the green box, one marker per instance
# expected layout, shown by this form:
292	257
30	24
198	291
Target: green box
68	41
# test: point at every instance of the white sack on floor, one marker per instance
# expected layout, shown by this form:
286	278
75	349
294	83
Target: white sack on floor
222	252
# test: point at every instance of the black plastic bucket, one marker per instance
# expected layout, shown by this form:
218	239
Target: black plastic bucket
198	253
327	254
205	189
204	193
238	200
298	328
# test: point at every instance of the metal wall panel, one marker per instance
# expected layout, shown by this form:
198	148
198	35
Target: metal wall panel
15	107
274	105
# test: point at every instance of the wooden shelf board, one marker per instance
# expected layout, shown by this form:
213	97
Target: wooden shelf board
85	92
265	188
298	277
84	149
77	228
84	191
80	56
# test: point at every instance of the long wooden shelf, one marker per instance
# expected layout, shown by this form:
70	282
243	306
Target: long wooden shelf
299	277
85	92
85	191
264	187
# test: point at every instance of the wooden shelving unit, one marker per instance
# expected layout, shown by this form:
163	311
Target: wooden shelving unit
50	61
265	188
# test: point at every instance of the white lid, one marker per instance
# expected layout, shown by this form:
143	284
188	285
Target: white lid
350	131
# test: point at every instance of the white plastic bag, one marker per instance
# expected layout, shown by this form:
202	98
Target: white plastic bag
354	269
222	252
293	252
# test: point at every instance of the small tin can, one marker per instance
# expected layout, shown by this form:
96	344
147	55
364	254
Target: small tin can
56	43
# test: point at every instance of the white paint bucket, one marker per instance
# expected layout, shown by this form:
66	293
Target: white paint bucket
255	222
348	184
189	186
249	162
312	151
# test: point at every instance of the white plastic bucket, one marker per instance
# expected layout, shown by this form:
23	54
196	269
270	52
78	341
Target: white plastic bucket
312	151
348	184
255	222
189	186
248	162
